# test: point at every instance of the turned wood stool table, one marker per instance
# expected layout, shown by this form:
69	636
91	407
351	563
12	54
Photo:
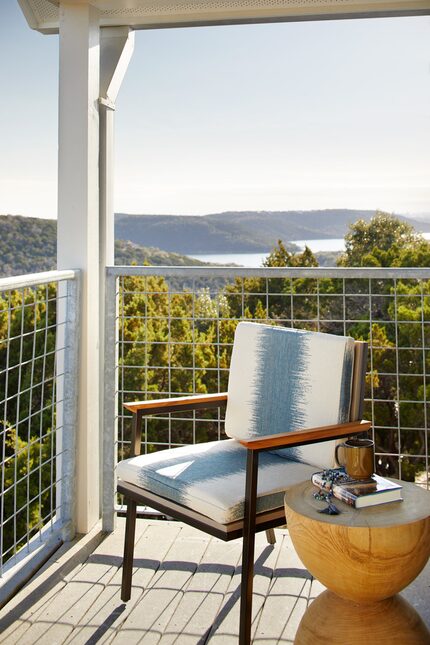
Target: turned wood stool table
364	557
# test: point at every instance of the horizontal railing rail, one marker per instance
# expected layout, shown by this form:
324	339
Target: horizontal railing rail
379	273
39	339
33	279
169	332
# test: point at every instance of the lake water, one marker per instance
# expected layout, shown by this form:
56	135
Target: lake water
256	259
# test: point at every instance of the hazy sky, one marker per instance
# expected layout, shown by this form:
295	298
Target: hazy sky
261	117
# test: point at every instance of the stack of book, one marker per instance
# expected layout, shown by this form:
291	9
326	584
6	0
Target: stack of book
359	493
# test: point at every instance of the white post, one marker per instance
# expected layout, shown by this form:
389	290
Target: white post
116	49
78	228
68	341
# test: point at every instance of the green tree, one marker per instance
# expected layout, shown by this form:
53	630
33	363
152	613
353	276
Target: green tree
384	241
276	299
172	343
27	415
397	383
281	257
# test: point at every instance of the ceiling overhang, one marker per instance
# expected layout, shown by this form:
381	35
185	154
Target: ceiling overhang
43	15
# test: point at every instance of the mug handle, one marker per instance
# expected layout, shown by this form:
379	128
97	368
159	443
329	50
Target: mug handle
339	445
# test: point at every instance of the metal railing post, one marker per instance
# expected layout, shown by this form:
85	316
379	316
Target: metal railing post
68	337
110	409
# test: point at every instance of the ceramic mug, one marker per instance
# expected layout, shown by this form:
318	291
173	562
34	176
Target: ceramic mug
357	457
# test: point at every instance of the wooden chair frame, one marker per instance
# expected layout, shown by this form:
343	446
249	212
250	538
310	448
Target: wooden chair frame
252	522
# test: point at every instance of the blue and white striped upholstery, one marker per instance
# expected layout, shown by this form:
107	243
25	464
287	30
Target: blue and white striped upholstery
210	477
281	380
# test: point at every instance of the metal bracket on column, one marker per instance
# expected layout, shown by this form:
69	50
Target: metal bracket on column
109	105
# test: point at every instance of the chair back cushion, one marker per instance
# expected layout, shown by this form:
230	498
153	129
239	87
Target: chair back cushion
283	380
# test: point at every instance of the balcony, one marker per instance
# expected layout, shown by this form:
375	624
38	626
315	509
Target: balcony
169	332
74	345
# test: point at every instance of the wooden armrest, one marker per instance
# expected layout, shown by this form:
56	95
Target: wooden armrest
309	435
193	402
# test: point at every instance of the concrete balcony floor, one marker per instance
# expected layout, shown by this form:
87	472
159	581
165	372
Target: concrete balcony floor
185	591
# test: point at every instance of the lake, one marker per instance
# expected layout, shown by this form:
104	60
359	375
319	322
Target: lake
256	259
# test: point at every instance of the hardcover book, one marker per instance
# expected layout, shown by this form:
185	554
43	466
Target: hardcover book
360	493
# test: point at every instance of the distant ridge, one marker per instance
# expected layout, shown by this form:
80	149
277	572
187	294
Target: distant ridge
29	245
240	231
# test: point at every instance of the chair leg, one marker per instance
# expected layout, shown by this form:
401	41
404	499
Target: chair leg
127	565
270	536
248	548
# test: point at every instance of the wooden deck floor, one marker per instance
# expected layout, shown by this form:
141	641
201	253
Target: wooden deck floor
185	591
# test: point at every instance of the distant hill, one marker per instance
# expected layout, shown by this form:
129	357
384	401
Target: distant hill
29	245
239	232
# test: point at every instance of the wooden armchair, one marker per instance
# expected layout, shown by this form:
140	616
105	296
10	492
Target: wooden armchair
291	394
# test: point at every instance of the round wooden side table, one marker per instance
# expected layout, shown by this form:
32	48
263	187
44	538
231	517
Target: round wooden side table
364	557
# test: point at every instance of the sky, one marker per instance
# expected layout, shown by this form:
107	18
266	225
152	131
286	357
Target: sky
331	114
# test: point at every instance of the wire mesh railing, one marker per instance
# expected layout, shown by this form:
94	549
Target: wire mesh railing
38	326
174	330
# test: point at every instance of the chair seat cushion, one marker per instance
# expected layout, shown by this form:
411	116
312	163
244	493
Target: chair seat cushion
210	477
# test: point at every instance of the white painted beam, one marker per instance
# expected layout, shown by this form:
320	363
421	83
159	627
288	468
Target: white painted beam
78	228
116	49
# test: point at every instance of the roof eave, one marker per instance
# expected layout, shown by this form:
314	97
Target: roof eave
335	11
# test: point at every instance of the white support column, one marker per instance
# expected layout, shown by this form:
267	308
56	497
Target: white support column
116	49
78	228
